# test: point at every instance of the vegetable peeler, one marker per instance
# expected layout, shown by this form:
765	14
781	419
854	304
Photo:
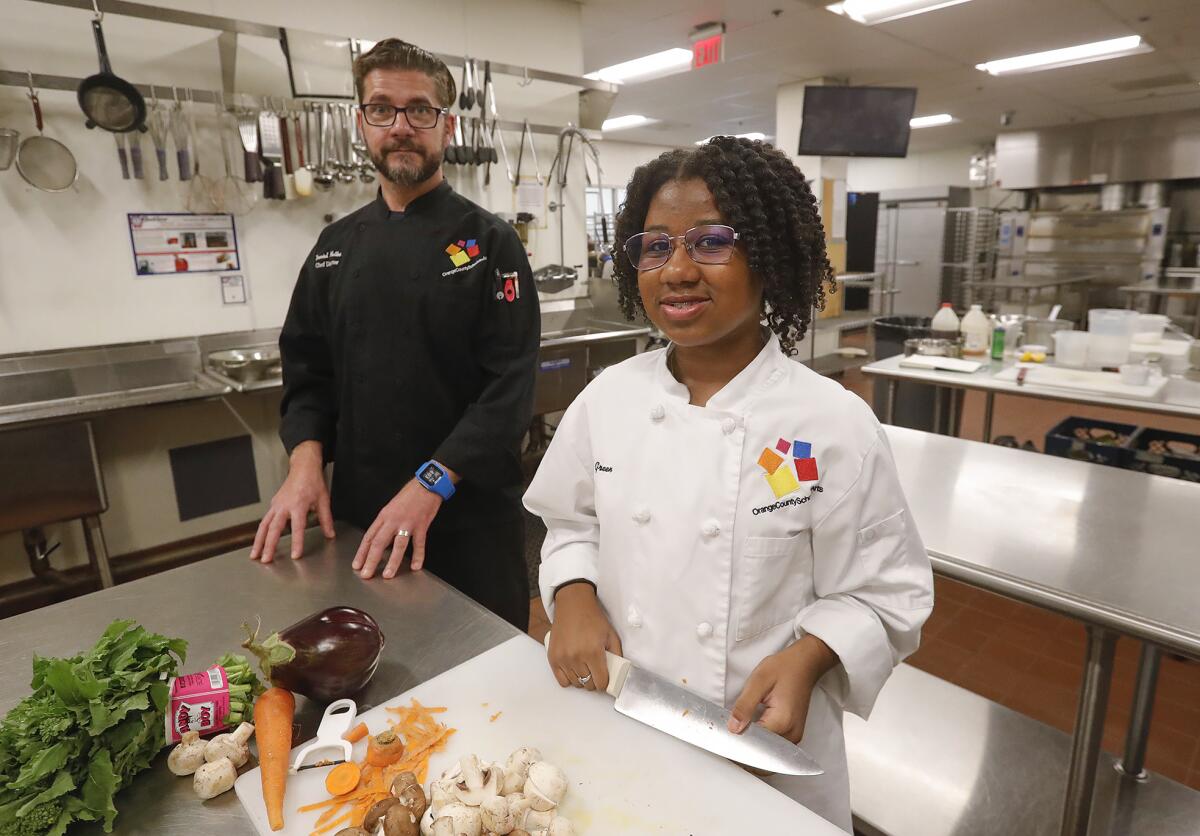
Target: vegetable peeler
331	734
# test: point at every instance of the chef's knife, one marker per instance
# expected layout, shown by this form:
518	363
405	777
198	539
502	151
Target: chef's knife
665	706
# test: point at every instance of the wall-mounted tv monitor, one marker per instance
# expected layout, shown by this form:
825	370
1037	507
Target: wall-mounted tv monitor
856	121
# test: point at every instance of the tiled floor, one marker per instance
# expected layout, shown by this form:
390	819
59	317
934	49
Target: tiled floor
1031	660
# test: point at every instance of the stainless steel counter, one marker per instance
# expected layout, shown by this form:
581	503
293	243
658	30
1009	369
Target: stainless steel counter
1112	548
1181	397
1103	545
430	628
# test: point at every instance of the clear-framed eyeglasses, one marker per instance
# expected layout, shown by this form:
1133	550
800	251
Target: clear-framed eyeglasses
705	244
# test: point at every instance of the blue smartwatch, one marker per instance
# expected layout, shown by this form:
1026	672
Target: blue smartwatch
433	477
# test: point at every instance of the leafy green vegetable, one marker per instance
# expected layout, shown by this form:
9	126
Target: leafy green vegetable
92	722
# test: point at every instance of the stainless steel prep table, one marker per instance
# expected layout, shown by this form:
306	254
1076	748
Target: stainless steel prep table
429	628
1112	548
1181	397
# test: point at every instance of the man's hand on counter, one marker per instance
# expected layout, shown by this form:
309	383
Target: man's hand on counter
406	517
302	491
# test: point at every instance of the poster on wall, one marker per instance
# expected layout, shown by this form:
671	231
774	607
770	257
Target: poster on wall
166	243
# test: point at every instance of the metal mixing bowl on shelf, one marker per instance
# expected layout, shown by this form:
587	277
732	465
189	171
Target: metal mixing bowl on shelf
246	365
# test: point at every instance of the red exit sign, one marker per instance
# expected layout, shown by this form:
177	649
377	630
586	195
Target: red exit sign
708	51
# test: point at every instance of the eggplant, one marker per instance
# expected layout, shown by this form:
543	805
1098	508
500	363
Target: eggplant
330	655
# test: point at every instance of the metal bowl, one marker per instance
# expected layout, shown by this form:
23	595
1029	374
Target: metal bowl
246	365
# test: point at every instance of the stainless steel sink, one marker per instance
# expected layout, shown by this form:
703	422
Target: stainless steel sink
571	356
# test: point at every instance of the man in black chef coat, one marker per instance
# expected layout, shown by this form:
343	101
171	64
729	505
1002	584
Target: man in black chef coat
408	359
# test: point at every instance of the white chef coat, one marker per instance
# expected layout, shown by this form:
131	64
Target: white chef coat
705	566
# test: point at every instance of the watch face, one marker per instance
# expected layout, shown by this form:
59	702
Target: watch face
431	475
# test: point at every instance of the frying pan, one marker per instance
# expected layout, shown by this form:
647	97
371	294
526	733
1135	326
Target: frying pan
108	101
42	162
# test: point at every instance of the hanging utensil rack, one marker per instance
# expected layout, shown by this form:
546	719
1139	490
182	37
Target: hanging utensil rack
244	27
42	81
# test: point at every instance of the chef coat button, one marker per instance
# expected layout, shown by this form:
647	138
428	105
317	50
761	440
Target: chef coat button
711	528
657	413
868	535
641	515
633	618
704	629
728	426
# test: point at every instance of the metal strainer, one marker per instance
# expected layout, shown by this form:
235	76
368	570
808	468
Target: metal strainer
42	162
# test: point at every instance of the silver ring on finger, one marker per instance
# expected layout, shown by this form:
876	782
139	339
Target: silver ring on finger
402	533
584	680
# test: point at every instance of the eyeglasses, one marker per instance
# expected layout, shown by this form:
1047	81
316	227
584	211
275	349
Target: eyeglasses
707	244
420	117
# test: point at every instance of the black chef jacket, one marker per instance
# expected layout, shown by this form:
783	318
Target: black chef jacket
409	337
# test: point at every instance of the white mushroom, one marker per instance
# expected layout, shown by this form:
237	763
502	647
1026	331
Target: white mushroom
232	745
496	815
545	786
188	756
441	793
477	783
561	827
214	778
464	821
533	819
427	822
516	770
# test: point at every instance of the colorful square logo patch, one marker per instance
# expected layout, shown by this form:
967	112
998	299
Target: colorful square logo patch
784	480
462	252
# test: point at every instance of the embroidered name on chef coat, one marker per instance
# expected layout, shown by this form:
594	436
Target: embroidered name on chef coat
329	258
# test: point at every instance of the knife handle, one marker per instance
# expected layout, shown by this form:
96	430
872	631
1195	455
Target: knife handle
618	670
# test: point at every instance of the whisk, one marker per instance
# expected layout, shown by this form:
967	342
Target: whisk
231	194
204	193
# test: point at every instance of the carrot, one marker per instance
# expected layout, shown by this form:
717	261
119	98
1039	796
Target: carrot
273	714
357	733
384	748
343	778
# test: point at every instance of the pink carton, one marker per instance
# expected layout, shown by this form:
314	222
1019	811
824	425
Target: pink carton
199	702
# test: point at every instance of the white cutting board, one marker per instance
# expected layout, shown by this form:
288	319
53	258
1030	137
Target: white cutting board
623	776
1080	380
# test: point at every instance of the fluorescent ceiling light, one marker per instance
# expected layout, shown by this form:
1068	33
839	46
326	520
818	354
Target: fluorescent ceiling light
871	12
621	123
930	121
1068	56
648	66
752	135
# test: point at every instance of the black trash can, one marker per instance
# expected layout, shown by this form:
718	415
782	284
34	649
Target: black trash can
915	402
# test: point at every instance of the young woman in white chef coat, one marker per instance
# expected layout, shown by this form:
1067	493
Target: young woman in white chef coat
715	511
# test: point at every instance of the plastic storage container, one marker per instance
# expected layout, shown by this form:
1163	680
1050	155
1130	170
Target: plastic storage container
1149	328
1071	348
1166	453
1112	333
1089	440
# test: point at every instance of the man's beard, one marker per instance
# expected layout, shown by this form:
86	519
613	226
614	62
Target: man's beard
406	173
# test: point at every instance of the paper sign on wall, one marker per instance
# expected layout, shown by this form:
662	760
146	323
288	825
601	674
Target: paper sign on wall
183	242
233	290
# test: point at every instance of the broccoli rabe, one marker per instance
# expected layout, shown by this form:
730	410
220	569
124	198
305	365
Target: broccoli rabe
39	821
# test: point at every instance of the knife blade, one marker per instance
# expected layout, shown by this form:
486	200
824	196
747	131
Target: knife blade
674	710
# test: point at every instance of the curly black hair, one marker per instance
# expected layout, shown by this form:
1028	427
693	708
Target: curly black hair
764	197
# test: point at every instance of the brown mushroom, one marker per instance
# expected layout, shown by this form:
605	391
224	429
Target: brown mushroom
352	831
400	821
404	779
411	797
377	812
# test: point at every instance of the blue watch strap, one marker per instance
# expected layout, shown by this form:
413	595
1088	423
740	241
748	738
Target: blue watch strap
433	477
